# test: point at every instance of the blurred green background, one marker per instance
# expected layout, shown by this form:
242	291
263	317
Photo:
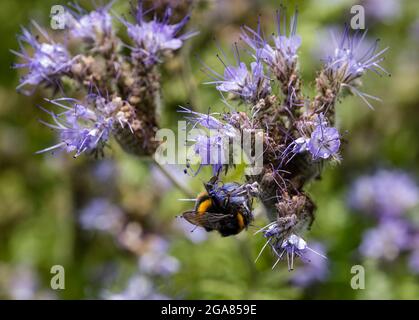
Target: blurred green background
42	196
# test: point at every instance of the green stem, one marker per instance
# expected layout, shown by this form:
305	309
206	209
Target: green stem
173	180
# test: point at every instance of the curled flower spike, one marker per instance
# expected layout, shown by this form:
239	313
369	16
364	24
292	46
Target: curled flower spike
351	59
48	62
85	127
154	38
283	51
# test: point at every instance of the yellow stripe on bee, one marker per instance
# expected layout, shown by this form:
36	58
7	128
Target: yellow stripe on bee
204	206
240	220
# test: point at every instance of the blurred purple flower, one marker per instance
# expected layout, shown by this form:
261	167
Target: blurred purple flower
89	25
139	287
100	214
24	283
315	268
156	261
385	193
384	11
385	241
105	170
48	62
414	261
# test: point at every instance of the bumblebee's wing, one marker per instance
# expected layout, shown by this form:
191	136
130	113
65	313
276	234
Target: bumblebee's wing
211	220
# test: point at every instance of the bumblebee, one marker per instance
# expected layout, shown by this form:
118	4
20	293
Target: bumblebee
225	208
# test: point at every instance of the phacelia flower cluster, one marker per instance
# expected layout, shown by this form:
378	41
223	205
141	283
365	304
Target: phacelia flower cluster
299	132
279	52
352	58
86	127
101	89
291	246
46	65
128	84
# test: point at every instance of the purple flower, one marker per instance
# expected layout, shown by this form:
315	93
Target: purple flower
314	270
153	38
80	129
386	240
299	145
386	193
48	62
282	243
90	26
294	246
212	151
383	11
283	51
250	86
100	214
324	142
352	58
105	171
212	148
208	121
